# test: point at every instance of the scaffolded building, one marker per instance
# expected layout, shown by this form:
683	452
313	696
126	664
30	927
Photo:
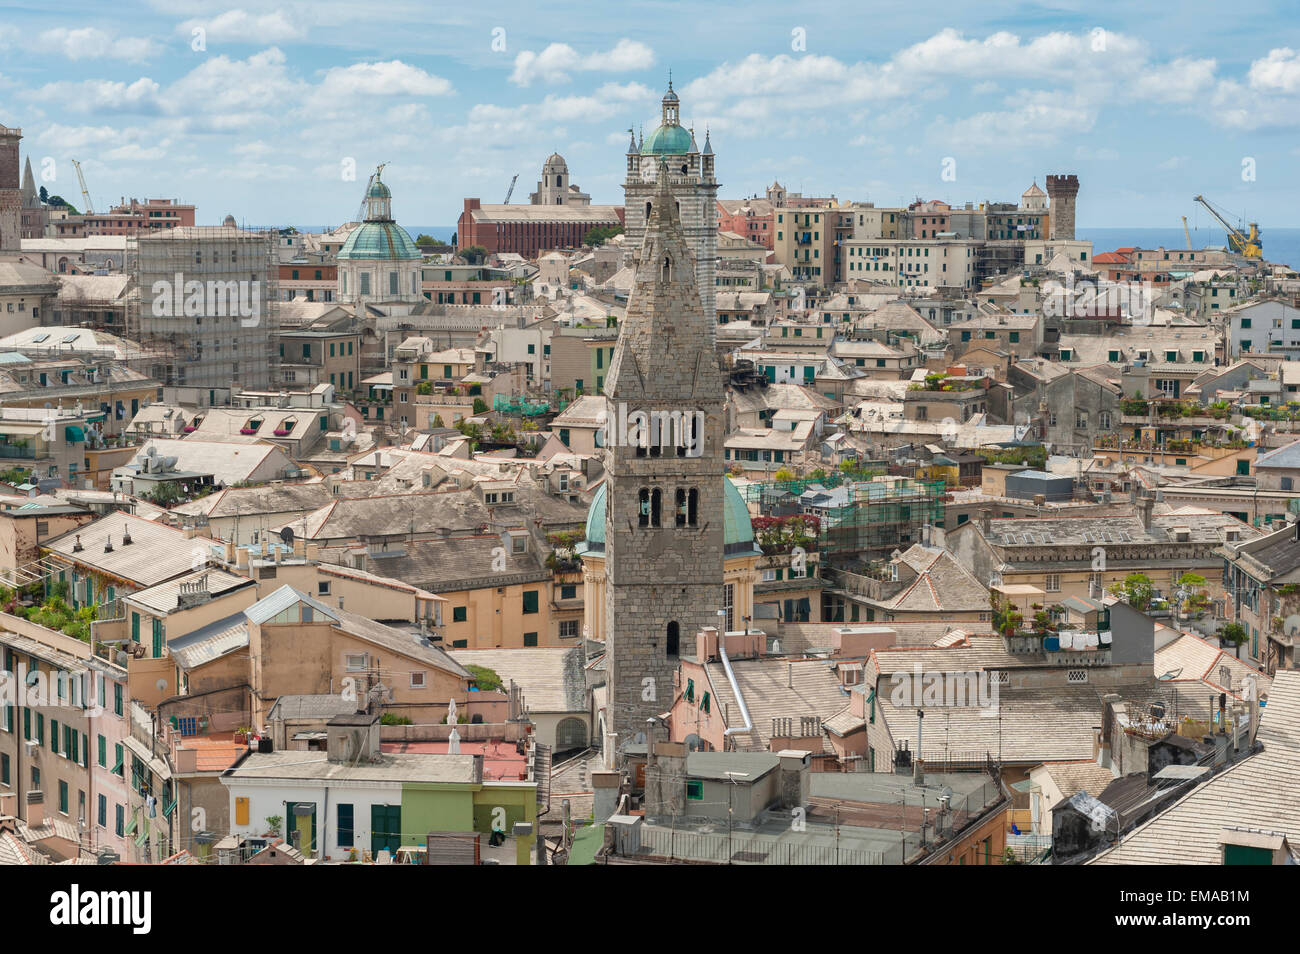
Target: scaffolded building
207	298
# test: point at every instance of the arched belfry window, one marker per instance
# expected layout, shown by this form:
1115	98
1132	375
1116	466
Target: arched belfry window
667	268
656	507
672	645
643	508
693	508
647	211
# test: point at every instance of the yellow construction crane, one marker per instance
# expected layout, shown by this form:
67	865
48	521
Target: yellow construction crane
1187	233
84	194
1249	244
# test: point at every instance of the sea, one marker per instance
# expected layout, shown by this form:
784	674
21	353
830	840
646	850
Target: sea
1281	245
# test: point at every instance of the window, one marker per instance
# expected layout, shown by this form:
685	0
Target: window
63	797
530	601
344	825
695	789
568	629
355	662
459	614
530	639
1075	677
672	641
323	588
1052	583
101	812
417	679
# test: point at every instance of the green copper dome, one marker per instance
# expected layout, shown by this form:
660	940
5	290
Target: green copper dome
737	532
378	240
378	190
667	140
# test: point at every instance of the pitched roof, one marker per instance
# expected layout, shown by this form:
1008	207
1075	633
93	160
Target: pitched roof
776	688
1257	793
552	679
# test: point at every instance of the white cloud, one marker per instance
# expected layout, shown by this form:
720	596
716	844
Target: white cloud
1180	81
392	78
1279	71
557	61
93	96
91	43
240	26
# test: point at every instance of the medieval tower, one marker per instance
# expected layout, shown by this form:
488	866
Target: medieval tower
693	186
663	469
1062	190
11	196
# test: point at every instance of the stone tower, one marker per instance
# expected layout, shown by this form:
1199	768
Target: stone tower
664	471
11	195
556	185
693	185
1061	190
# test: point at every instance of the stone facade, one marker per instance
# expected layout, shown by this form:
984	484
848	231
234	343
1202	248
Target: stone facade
1062	190
11	196
664	517
694	187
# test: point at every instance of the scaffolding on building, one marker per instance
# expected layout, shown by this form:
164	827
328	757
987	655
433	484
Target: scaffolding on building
874	516
520	406
206	299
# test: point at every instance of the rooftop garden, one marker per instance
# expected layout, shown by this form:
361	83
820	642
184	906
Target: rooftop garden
943	381
53	613
1034	456
783	534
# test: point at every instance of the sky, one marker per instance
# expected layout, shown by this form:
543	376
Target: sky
276	112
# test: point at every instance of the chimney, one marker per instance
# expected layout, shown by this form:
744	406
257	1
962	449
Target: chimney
986	520
1144	507
35	809
918	773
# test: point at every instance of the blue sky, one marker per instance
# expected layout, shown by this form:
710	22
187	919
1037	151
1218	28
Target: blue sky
863	101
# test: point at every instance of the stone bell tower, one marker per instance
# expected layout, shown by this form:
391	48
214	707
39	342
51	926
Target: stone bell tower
664	473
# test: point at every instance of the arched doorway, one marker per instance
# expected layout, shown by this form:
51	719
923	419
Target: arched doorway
571	733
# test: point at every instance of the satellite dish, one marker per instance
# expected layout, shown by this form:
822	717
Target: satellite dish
286	536
161	684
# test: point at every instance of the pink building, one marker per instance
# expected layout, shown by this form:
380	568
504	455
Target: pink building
930	218
751	218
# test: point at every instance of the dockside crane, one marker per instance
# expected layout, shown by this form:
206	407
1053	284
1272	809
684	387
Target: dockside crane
1248	244
85	195
1187	233
511	190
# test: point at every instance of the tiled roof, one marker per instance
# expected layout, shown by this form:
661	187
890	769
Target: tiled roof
552	680
1258	792
776	688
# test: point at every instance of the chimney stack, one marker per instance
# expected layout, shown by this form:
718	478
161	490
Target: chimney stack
35	809
986	520
1145	506
918	773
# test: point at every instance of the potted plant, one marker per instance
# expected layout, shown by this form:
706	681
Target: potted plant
242	734
273	823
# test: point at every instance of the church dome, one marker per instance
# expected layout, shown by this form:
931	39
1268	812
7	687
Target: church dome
378	240
378	190
737	531
667	140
